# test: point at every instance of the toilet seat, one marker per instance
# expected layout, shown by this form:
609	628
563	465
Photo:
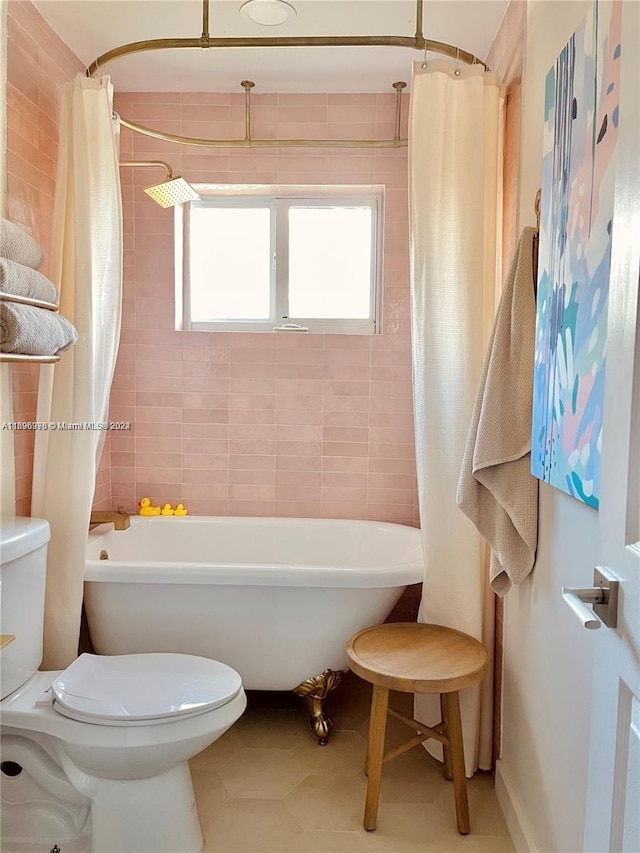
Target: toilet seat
142	689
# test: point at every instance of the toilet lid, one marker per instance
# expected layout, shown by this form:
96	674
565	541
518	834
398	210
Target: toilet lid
144	688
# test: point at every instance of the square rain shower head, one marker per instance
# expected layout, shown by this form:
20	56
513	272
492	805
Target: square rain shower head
172	192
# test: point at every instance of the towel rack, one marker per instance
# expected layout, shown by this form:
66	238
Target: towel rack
27	300
21	358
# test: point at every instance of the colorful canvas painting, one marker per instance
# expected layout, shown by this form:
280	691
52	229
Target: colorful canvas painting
580	133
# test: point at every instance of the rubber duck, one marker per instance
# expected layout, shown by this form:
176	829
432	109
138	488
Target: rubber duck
167	509
181	510
147	509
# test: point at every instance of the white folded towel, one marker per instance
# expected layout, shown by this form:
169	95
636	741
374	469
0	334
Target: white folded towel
19	280
17	245
34	331
496	489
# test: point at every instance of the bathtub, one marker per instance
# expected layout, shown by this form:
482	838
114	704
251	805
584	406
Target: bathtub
275	598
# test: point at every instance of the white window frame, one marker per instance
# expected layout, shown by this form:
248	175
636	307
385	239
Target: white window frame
279	199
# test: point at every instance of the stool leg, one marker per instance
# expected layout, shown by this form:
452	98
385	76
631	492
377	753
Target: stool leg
452	706
375	753
446	758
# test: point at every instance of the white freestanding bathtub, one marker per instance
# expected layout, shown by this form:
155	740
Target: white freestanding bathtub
275	598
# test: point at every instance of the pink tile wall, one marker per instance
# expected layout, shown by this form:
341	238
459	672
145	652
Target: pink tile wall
262	424
38	63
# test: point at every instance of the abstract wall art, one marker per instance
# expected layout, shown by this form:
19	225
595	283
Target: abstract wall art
580	133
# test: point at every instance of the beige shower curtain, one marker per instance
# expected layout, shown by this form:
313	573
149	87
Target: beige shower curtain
86	263
455	179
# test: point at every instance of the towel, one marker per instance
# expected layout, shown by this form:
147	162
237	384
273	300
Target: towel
34	331
496	489
17	245
19	280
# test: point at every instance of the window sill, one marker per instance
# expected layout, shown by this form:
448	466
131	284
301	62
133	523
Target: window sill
308	327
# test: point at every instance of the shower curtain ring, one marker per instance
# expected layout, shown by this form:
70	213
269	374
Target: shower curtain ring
424	59
457	71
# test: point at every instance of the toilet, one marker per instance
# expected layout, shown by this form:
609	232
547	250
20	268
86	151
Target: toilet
95	757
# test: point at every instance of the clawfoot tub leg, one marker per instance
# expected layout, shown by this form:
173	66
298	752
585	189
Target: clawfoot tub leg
315	690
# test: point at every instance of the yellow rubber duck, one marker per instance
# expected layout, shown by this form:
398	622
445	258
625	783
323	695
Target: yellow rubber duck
181	510
167	509
147	509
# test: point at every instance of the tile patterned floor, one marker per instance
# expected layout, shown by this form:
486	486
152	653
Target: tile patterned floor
266	787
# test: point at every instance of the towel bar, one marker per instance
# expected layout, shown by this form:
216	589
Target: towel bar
27	300
18	357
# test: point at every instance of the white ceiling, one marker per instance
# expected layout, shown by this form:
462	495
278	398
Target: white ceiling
92	27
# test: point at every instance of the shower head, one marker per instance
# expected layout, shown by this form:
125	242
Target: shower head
172	191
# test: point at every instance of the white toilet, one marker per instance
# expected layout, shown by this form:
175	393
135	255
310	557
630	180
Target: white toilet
104	744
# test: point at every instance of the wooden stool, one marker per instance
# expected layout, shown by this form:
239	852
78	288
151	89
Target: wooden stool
416	658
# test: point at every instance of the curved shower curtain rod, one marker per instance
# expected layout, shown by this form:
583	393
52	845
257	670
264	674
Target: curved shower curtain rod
205	41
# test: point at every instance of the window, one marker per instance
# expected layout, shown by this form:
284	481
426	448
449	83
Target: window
253	259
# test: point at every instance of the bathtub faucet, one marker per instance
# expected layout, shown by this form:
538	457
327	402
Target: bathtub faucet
119	518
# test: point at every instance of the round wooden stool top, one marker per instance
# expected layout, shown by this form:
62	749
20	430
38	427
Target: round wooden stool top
417	658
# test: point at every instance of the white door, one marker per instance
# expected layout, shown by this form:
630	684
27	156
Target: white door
612	820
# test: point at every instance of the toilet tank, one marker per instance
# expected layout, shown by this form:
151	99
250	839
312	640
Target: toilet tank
23	568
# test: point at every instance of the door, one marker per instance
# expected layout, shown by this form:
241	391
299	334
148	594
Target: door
612	820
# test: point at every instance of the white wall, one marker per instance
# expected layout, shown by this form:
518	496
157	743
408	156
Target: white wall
542	775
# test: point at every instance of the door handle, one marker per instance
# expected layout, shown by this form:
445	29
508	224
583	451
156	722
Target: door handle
603	596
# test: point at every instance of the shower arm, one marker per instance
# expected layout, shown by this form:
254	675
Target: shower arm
155	163
205	41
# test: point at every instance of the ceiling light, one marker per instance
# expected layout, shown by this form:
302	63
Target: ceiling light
267	13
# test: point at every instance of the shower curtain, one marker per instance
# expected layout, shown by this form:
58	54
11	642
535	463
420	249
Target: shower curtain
455	155
86	263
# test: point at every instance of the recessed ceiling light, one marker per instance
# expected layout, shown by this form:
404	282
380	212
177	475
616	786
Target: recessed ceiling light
267	13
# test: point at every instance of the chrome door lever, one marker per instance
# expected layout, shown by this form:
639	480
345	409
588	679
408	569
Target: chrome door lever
603	596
